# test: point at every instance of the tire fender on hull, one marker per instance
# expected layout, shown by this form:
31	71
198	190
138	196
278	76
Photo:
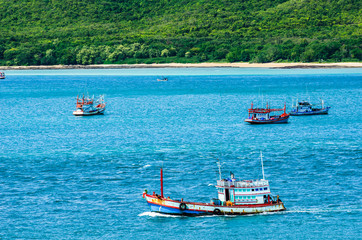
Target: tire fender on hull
182	206
217	211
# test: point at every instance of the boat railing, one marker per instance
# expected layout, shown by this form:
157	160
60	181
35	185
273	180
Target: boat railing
257	183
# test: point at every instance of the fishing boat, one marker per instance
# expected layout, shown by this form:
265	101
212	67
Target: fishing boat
87	106
163	79
304	108
264	115
235	197
2	75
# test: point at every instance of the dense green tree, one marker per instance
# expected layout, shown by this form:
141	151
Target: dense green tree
110	31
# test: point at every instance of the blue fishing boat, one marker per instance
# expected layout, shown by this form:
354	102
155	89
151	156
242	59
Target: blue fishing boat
235	197
304	108
264	115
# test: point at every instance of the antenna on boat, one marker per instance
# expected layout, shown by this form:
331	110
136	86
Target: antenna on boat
219	166
262	165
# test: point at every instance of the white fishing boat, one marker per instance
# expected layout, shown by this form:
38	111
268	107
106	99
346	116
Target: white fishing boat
304	108
2	75
235	197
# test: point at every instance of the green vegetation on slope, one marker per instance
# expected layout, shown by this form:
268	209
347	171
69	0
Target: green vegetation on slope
46	32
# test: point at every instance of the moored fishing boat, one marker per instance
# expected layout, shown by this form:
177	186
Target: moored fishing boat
235	197
304	108
263	115
87	106
2	75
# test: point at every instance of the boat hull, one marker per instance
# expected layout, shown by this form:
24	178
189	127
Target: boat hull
316	112
167	206
81	113
269	121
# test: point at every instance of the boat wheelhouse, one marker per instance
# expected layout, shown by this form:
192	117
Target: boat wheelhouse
2	75
265	116
87	106
235	197
304	108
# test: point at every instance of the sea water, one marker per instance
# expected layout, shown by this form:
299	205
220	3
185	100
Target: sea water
67	177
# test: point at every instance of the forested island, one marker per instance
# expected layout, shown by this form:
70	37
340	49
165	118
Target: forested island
83	32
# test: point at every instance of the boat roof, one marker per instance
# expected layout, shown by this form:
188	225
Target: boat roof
264	110
241	183
304	103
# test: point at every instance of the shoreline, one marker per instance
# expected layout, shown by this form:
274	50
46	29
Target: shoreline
189	65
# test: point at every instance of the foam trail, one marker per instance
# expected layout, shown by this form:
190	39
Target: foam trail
318	210
155	214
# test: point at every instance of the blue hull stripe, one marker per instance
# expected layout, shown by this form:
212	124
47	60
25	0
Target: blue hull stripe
170	210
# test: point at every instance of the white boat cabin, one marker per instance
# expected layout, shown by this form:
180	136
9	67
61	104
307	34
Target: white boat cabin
260	115
243	192
304	107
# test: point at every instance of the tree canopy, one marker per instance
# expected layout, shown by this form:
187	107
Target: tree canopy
44	32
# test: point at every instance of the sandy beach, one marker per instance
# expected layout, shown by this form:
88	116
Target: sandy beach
191	65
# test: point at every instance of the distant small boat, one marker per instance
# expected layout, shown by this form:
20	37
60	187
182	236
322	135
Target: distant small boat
263	115
163	79
304	108
86	106
2	75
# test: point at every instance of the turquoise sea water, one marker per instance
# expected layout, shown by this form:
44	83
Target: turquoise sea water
66	177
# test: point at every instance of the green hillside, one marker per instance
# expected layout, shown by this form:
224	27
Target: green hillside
42	32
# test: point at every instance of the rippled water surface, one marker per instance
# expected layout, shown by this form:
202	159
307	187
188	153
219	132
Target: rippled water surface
66	177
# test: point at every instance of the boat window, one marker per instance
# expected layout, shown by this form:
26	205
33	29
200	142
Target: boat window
252	190
260	189
248	190
244	190
248	197
256	189
265	188
254	197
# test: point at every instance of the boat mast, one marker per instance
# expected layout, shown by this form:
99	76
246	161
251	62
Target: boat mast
262	165
285	106
161	183
219	165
